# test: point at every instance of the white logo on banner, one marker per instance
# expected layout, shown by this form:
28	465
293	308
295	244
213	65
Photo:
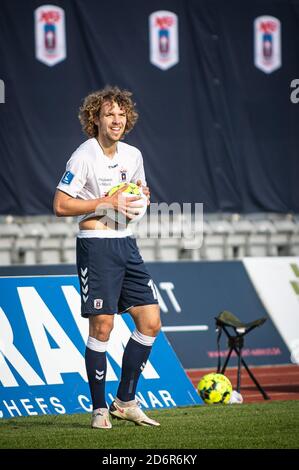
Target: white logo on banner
50	44
164	49
276	282
267	43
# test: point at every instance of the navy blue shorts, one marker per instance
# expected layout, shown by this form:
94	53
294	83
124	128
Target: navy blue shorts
112	275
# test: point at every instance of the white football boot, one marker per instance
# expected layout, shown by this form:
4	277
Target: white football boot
100	419
131	413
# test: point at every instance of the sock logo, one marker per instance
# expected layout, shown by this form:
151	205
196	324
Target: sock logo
99	375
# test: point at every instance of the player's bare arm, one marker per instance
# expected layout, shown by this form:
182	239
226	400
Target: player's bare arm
65	205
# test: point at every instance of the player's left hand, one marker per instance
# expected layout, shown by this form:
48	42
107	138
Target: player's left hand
145	190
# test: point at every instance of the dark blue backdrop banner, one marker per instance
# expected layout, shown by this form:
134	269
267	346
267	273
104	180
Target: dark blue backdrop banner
217	124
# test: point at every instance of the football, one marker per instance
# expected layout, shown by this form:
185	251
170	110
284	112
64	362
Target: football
215	388
130	191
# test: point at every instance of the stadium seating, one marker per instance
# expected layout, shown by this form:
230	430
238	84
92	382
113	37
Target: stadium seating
48	240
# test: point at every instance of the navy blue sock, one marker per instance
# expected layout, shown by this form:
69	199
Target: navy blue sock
96	366
134	360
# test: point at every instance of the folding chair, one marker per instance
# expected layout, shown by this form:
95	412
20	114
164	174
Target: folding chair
227	320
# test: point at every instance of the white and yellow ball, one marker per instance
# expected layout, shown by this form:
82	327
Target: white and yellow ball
131	191
215	389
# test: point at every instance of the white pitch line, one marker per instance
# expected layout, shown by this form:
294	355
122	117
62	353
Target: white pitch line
275	374
252	395
274	384
259	374
185	328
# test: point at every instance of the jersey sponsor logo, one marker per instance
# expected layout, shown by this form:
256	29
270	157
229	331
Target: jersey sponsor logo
67	177
267	43
113	166
163	30
50	43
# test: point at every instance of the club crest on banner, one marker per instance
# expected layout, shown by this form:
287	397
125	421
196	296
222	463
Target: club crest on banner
163	31
50	44
267	43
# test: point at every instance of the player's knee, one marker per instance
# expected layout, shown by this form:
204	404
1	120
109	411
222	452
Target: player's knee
157	328
101	329
154	323
101	333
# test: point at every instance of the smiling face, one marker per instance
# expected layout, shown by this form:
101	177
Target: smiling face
111	123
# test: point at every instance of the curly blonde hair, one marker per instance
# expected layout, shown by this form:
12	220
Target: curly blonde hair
92	106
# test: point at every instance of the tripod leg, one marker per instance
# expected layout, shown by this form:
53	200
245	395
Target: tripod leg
226	361
239	370
266	397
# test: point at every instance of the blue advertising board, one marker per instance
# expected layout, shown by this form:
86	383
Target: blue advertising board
42	345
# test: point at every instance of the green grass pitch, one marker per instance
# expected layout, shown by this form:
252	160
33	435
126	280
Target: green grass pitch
267	425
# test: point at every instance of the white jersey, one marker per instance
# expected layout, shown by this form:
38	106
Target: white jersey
90	174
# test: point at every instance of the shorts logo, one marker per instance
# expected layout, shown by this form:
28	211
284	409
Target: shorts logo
50	44
67	177
84	285
267	43
164	49
98	304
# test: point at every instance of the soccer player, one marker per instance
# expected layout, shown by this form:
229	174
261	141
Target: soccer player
112	274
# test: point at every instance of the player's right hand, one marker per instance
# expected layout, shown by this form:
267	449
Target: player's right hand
121	203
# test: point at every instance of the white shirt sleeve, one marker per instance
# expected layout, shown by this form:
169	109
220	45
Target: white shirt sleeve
74	177
139	172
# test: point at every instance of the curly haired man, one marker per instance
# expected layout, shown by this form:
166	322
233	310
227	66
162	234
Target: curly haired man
112	274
